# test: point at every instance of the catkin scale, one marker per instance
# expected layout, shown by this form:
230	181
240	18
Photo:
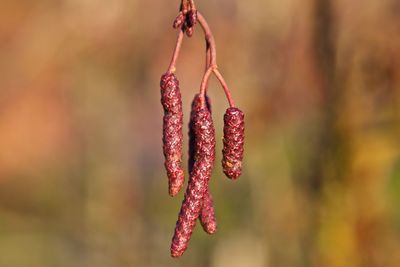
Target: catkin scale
172	131
233	142
207	214
198	182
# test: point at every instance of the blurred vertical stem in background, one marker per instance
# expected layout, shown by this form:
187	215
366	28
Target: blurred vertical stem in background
328	162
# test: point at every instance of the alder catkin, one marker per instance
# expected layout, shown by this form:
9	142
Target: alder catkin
198	182
207	214
170	94
172	131
233	142
196	106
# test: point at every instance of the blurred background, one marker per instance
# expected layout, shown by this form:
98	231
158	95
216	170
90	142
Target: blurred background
82	181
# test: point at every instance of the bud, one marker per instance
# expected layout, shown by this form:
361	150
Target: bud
179	20
189	31
191	18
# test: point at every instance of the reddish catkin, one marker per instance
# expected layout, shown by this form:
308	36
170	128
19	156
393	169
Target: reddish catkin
207	214
233	142
196	106
170	94
172	131
198	182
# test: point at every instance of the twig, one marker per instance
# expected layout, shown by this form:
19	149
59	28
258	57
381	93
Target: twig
211	66
225	87
209	38
204	85
178	45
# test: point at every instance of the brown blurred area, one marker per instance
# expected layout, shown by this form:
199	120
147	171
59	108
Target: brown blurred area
82	181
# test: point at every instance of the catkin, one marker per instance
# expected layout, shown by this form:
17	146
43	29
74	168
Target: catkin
233	142
207	214
198	182
172	131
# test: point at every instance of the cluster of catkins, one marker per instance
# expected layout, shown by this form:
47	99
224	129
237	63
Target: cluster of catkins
198	202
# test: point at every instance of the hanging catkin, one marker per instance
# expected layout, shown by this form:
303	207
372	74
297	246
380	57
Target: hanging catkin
207	214
233	142
198	182
172	131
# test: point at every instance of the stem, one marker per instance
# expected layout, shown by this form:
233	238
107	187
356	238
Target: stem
225	87
211	63
204	85
192	5
184	6
209	38
178	45
208	56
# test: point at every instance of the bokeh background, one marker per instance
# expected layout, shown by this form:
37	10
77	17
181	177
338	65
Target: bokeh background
82	181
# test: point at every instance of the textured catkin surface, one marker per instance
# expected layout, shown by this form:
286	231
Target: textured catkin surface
198	182
196	106
170	94
207	214
233	142
172	146
172	131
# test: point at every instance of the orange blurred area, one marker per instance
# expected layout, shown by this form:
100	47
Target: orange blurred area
82	180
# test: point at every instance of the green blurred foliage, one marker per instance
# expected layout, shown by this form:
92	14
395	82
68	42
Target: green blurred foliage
82	181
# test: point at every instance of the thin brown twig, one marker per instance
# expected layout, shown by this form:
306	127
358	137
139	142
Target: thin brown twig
209	38
192	5
178	45
184	6
204	85
225	87
211	58
208	56
208	62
